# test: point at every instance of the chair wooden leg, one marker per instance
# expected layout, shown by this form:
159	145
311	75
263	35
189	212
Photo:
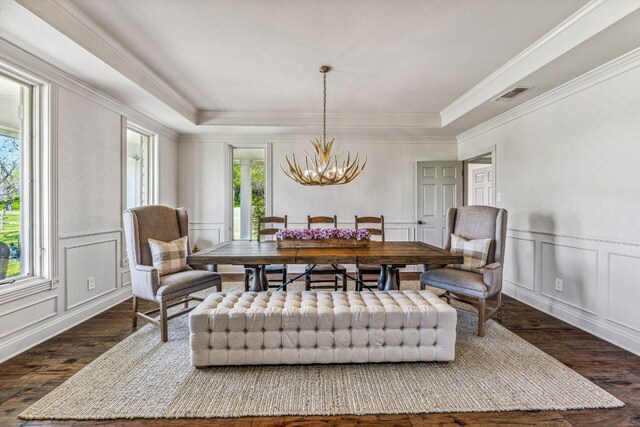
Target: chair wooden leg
481	314
359	286
398	277
134	322
246	280
335	282
499	316
307	282
186	304
344	282
284	278
164	327
448	299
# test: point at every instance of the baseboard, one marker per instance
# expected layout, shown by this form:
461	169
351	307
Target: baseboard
590	324
60	324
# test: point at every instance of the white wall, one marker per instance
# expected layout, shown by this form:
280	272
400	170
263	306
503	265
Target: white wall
567	169
86	140
386	187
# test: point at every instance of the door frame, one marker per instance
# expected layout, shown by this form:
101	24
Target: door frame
228	182
465	162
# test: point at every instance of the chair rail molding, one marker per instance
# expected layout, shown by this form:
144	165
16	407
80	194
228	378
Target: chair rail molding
598	293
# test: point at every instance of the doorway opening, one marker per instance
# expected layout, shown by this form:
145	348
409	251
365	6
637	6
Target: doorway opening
248	187
479	182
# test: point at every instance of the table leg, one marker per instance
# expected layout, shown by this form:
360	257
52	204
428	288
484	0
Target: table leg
392	284
259	282
382	279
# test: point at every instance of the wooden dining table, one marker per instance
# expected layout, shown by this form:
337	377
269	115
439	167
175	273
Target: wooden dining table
390	255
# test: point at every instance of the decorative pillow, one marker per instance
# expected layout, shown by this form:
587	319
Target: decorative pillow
170	257
475	253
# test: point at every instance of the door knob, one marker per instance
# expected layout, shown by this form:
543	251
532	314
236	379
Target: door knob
420	222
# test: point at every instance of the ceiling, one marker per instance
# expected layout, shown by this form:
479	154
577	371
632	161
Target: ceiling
9	104
418	67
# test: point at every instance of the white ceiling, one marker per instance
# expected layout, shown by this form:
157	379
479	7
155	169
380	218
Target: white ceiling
263	56
9	103
251	66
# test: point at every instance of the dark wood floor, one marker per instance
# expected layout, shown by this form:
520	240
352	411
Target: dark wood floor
31	375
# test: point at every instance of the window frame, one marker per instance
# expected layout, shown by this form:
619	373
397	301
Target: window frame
38	183
152	185
228	178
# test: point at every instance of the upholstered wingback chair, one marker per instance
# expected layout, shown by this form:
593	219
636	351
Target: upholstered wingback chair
477	286
165	224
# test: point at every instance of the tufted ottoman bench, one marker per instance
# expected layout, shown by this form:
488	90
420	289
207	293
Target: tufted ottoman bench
265	328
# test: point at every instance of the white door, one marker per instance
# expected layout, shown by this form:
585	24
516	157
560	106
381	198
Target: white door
482	186
439	188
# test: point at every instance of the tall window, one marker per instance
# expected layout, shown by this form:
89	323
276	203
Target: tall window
248	191
139	183
16	257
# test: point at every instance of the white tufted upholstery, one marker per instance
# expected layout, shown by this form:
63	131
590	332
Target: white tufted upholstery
253	328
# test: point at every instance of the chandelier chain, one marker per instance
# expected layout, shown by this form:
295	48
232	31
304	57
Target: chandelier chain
324	111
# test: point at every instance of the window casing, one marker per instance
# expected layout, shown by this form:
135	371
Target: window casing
139	167
24	119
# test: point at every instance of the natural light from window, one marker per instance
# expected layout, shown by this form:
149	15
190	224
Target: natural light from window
138	168
15	162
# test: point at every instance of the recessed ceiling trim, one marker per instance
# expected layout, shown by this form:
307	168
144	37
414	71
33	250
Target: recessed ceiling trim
70	21
13	56
611	69
304	138
418	120
582	25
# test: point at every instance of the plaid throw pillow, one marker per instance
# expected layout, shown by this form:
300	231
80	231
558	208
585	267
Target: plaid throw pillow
475	253
169	257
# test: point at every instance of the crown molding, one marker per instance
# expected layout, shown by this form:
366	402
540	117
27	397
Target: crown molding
17	60
591	19
70	21
345	139
400	120
598	75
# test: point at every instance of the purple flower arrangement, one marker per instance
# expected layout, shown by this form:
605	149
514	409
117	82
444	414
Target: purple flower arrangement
323	233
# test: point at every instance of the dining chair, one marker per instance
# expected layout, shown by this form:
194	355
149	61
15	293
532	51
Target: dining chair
369	223
336	270
266	232
465	282
164	224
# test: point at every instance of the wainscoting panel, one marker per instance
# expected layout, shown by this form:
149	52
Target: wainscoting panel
125	278
28	312
624	290
601	281
578	270
520	262
205	234
97	260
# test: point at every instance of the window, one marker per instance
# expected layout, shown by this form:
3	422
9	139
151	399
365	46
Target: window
248	191
16	221
139	168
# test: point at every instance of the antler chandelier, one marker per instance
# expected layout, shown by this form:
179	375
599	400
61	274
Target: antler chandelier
321	169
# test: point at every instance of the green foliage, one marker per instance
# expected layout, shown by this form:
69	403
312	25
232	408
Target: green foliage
257	192
10	234
9	172
236	185
257	195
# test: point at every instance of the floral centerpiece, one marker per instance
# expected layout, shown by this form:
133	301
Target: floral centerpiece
322	238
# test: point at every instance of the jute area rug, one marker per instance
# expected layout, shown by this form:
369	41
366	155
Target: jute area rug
143	378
